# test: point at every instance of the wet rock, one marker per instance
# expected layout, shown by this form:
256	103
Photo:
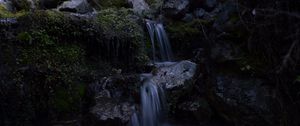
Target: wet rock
114	99
75	6
175	7
175	75
118	87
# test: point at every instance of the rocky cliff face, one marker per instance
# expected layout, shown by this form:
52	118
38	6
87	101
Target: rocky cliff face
78	62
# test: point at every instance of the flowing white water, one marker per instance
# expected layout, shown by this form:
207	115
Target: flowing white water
156	30
152	103
152	106
152	94
135	120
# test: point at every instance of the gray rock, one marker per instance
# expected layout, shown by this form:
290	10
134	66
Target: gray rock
240	92
106	109
139	6
199	12
188	18
77	6
113	98
173	7
7	4
175	75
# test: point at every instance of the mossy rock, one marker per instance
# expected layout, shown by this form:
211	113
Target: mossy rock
185	37
55	69
121	29
119	23
4	13
57	24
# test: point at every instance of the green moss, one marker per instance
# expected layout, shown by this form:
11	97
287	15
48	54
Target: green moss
119	23
60	66
187	29
44	51
298	78
66	100
185	37
119	28
4	13
24	37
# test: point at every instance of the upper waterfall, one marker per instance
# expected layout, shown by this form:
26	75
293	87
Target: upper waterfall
156	30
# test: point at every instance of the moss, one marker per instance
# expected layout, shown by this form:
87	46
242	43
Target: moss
24	37
119	23
185	37
297	78
57	70
45	52
66	100
56	24
184	29
4	13
121	30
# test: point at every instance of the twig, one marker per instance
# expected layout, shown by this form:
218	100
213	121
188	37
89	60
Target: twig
293	14
287	57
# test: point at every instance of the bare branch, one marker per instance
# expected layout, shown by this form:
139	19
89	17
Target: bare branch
292	14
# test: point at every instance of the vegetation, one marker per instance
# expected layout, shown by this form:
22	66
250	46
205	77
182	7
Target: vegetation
4	13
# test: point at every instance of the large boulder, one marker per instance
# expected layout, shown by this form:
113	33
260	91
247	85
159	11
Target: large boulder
139	6
175	75
76	6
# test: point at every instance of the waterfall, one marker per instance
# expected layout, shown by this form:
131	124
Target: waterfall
135	120
152	103
152	108
159	36
152	94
